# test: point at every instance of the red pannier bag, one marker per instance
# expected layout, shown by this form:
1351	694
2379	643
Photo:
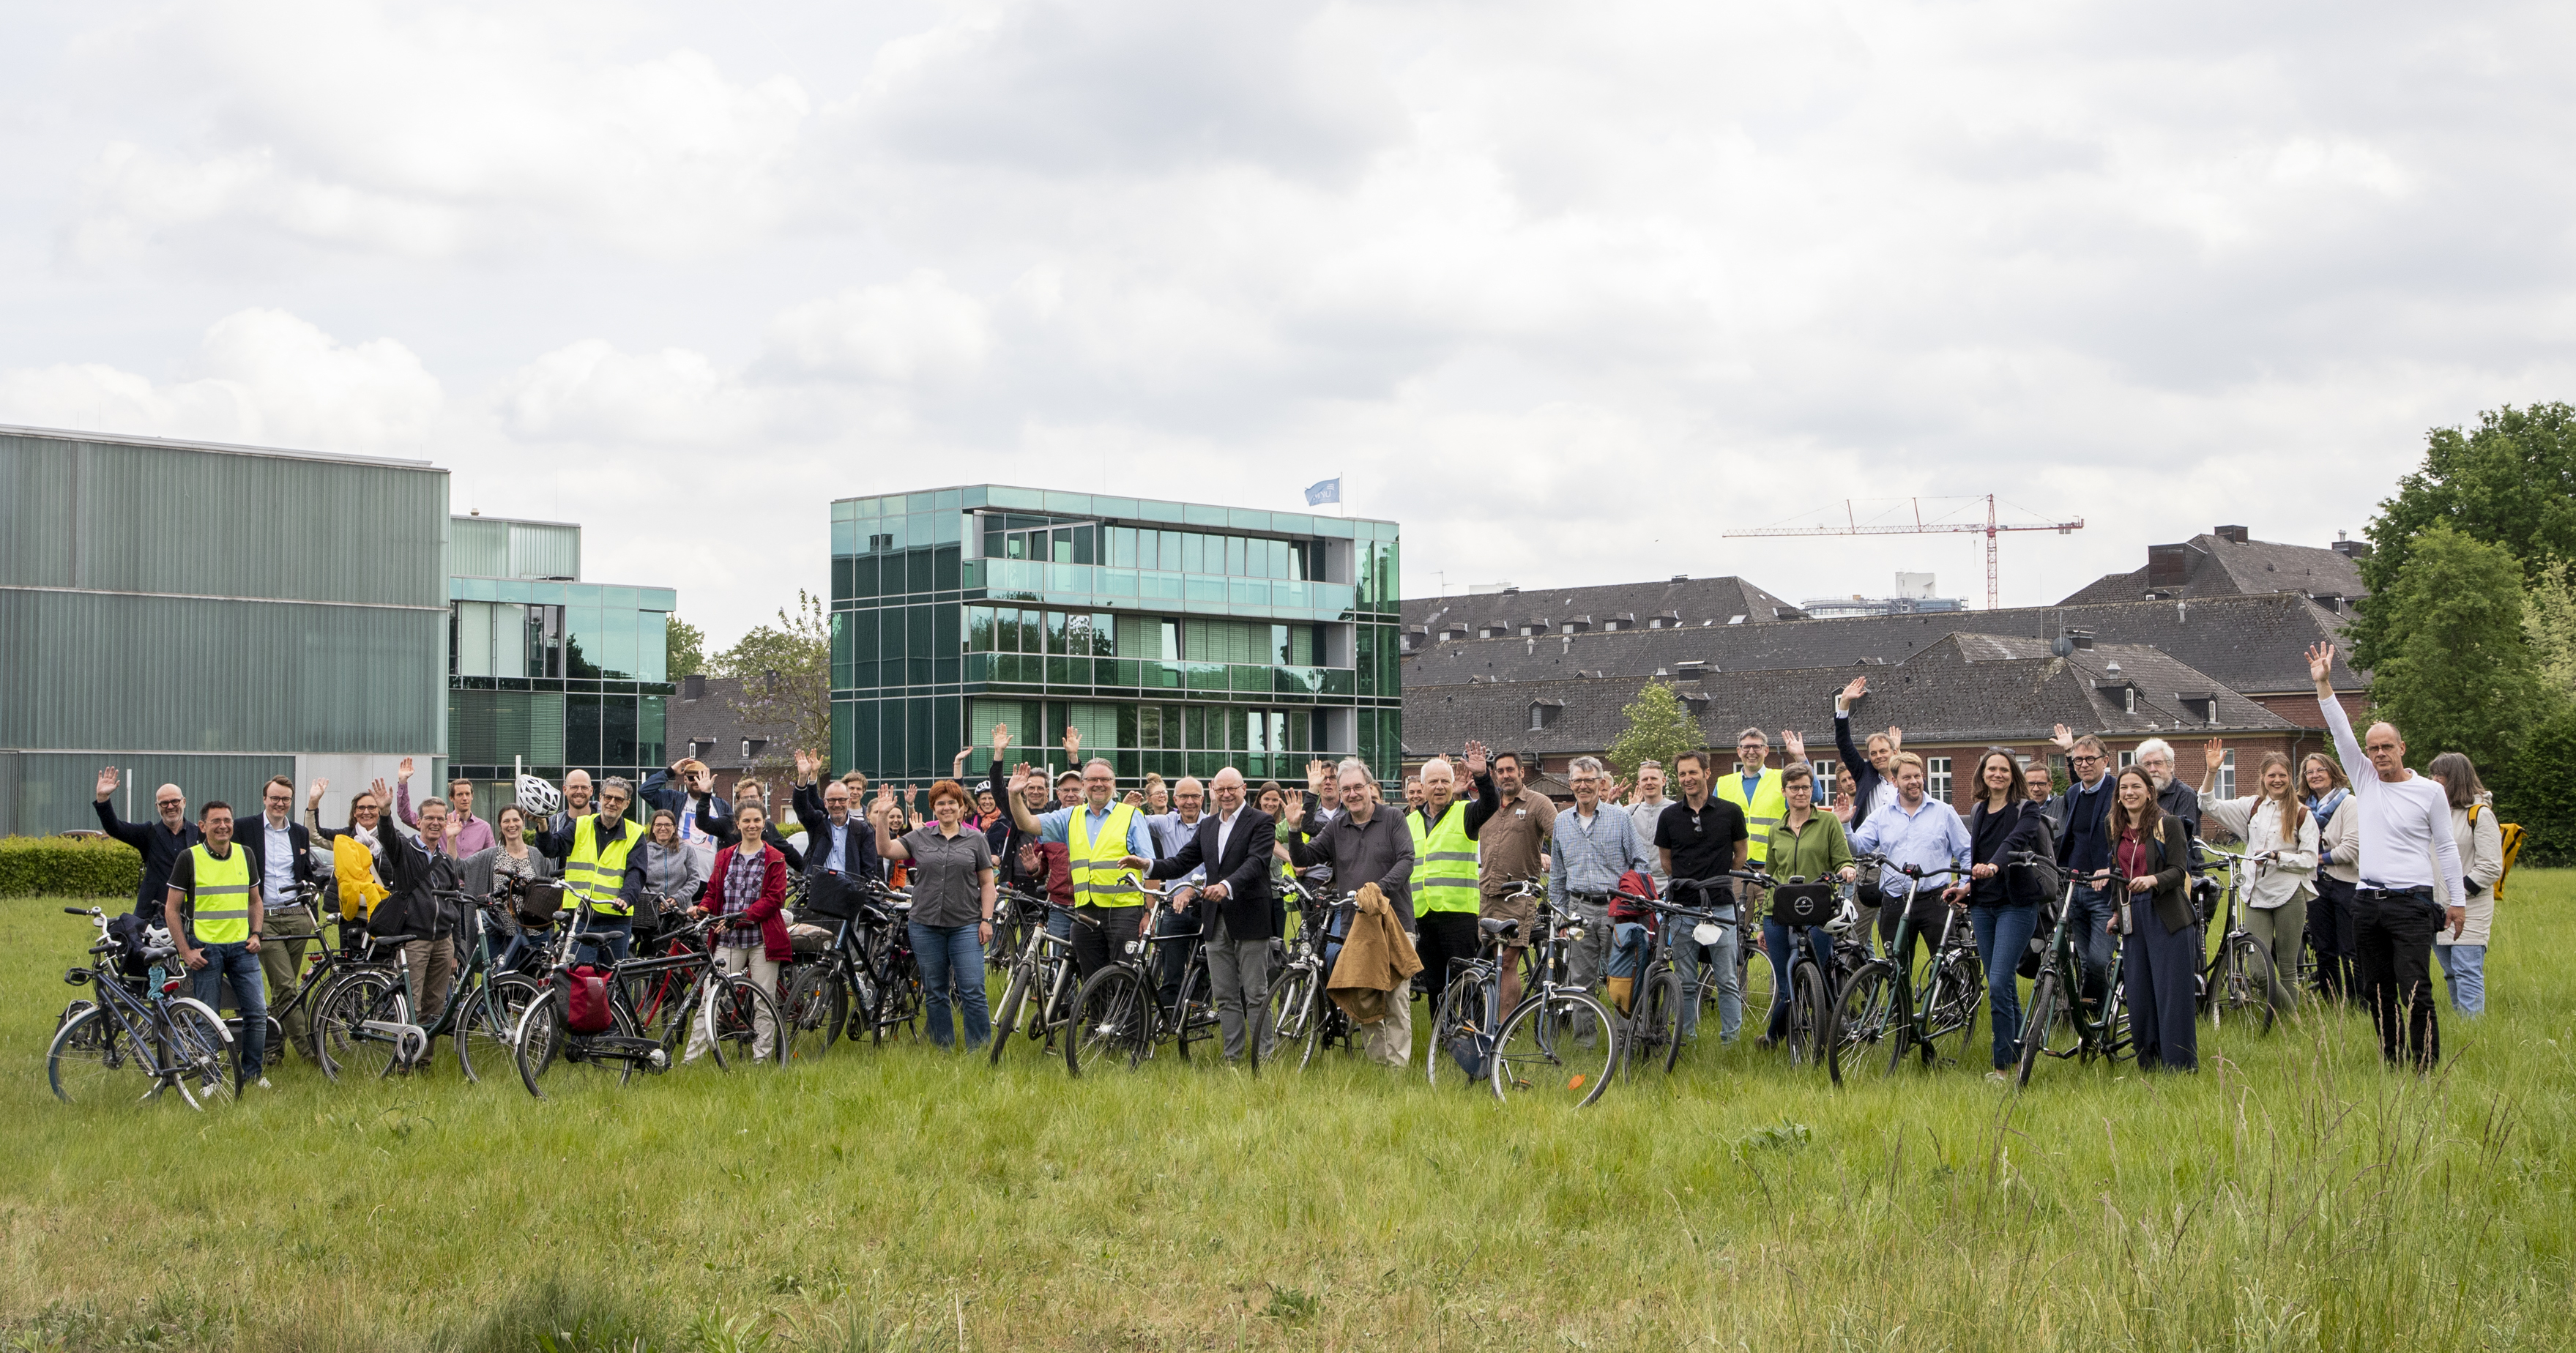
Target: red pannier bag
589	1000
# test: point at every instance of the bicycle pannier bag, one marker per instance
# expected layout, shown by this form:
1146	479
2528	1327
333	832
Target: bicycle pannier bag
1621	909
589	1002
831	896
1802	903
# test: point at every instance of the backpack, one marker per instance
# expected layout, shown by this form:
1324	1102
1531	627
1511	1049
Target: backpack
588	1011
2509	834
1621	909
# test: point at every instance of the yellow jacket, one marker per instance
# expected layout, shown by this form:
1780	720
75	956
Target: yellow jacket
355	867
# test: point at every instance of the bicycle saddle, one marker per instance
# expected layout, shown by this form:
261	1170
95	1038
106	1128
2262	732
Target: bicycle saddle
1498	925
389	941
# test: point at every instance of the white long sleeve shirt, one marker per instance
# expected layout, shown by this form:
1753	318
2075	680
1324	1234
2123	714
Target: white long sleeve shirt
2405	824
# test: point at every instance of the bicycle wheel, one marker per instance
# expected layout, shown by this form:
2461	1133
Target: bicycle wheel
1113	1019
340	1042
1959	992
2035	1025
92	1061
1456	1029
1289	1011
1862	1006
1197	1016
1655	1030
1809	1012
804	1010
898	994
1006	1016
1538	1057
738	1015
201	1055
489	1018
550	1054
2245	985
1756	978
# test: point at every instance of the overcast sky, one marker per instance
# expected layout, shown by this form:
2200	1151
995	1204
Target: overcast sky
1566	289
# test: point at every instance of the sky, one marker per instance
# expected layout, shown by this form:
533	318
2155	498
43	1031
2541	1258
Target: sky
1567	290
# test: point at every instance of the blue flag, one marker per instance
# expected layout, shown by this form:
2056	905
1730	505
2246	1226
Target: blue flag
1324	491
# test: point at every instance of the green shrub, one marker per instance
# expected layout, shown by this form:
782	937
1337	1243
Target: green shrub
63	866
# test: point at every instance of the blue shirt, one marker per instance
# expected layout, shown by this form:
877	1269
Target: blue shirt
840	834
1591	853
1054	826
1930	838
1170	834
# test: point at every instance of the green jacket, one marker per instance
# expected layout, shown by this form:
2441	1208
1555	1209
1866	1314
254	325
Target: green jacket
1813	853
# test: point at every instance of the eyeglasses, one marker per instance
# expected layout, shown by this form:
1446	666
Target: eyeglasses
2085	760
171	803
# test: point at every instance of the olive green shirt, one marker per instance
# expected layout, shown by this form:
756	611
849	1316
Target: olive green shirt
1813	853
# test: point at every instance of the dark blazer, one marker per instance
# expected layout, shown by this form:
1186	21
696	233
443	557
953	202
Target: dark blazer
858	854
161	849
718	822
411	872
2172	857
2020	887
253	837
1250	908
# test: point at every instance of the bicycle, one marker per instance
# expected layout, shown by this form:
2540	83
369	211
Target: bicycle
320	967
1044	963
1882	998
171	1040
1539	1048
2062	970
1118	1010
1813	1034
371	1003
1469	1014
732	1006
2237	978
1303	1012
1654	1027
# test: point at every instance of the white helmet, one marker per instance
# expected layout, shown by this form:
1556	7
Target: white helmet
538	797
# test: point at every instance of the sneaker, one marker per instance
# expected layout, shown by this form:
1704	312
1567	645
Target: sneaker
2004	1077
263	1084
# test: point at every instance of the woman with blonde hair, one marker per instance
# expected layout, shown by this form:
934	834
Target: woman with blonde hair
2274	824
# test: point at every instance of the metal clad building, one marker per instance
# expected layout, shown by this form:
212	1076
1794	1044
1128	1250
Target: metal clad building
211	615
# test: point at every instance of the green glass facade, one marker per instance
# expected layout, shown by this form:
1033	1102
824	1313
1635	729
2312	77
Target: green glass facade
558	673
1178	637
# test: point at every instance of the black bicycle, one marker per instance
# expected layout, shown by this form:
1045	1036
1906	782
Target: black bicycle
1119	1013
137	1034
2058	1024
1881	1001
1038	994
1303	1013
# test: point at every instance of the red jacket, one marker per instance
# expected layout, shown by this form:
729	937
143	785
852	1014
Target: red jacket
768	910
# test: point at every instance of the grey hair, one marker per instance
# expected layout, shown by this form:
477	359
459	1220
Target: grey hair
1586	765
1349	764
2152	746
621	784
1098	761
1754	733
1443	763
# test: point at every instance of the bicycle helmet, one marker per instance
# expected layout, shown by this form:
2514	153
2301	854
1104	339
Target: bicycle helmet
538	797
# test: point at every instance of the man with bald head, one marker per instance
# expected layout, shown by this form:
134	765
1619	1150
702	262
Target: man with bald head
1365	843
2411	881
1445	896
161	843
1239	914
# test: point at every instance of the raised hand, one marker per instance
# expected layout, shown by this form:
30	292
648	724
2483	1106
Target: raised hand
1073	744
1019	778
1315	772
1001	739
1292	807
2213	751
1621	791
804	766
403	771
2063	736
384	795
2320	662
1475	758
957	768
1852	690
1135	798
313	798
1793	745
885	802
108	780
1895	738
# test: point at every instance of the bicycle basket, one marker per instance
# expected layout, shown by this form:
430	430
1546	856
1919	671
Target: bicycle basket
539	901
1797	904
832	896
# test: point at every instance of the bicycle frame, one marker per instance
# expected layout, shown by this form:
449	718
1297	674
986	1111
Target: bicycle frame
143	1021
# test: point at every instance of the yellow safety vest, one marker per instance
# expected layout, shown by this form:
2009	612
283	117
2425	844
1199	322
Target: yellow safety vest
220	903
1769	808
1444	862
596	871
1098	878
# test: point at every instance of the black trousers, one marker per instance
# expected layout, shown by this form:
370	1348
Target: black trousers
1445	935
1096	947
1171	959
2160	972
2392	967
2330	933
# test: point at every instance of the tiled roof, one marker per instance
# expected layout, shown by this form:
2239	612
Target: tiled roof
1687	602
713	719
2253	644
1963	688
2214	566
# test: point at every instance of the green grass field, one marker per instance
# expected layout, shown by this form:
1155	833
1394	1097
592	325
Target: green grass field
2293	1195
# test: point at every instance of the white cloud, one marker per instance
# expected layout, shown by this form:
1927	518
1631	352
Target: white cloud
917	329
270	378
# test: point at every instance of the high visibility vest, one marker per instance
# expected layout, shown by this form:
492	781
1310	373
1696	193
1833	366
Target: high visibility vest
1444	861
1098	878
597	870
1769	808
221	899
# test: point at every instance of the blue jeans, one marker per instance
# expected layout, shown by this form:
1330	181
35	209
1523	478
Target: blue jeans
618	937
2464	974
1627	950
1777	943
2003	936
1720	970
2090	915
235	965
949	953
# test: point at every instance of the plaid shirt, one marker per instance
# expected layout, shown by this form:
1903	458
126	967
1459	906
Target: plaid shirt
1589	854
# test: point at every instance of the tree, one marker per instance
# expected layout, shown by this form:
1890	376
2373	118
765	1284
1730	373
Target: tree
2549	626
786	673
2455	674
2512	483
684	649
1660	728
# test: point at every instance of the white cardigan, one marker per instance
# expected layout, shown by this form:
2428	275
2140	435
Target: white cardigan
2292	876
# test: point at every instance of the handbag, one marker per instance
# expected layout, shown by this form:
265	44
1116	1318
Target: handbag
830	894
1622	910
539	900
1802	904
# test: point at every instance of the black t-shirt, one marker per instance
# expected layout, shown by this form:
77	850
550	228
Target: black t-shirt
1702	843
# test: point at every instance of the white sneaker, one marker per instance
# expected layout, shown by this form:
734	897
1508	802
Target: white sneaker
2003	1077
263	1084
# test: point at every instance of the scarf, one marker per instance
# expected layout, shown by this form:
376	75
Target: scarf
742	881
2324	809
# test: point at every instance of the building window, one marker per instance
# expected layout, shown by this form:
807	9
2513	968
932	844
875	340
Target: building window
1828	773
1936	778
2227	775
1544	715
2129	699
2127	759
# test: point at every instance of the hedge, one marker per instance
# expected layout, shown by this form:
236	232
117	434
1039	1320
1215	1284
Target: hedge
62	866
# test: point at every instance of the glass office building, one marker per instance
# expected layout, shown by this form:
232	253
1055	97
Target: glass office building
1178	637
544	667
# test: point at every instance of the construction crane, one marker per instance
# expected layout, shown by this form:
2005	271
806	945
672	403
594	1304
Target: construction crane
1853	526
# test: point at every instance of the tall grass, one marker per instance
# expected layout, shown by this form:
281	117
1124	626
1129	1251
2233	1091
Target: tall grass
2293	1195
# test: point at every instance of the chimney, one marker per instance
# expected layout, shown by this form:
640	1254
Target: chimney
693	686
2168	565
2232	534
2350	549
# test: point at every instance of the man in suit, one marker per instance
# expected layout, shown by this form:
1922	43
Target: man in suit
1241	916
161	845
281	859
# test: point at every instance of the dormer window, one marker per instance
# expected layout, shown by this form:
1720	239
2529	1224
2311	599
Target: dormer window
1543	714
1492	632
